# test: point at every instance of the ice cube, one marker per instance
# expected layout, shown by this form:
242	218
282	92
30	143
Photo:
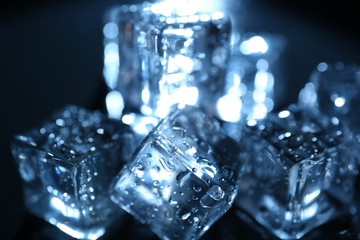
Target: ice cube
300	174
168	56
254	83
67	166
121	65
183	177
334	91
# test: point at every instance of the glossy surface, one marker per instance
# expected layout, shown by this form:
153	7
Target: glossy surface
301	172
67	165
183	178
158	55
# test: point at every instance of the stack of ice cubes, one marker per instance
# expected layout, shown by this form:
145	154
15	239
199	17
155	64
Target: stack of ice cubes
160	154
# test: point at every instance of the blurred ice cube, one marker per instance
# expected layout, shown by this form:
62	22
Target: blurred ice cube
164	55
254	84
334	90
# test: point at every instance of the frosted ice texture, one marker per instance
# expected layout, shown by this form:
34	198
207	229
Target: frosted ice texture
163	60
67	166
183	177
300	172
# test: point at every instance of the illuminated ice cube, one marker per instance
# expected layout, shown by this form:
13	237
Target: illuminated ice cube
183	177
164	55
300	174
67	166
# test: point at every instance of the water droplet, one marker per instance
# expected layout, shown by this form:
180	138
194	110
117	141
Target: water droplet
227	171
216	192
156	168
140	166
182	178
197	188
167	165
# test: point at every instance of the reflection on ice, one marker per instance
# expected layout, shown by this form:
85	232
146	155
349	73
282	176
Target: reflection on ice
250	78
334	90
114	104
166	53
256	44
141	125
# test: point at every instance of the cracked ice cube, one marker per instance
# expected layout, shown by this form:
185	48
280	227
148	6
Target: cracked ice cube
165	58
67	166
300	172
334	91
182	178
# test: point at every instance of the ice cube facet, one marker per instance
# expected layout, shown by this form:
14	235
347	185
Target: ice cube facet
183	177
67	166
334	91
300	173
175	57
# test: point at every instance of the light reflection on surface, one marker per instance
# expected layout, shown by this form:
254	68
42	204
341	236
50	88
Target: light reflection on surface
186	8
115	104
111	64
140	124
166	53
64	209
251	76
256	44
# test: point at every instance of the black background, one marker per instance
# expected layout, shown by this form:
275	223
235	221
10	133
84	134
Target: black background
51	54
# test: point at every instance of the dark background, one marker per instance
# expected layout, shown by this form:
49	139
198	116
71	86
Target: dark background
51	54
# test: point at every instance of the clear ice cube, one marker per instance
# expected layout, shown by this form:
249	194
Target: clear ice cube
121	66
300	173
168	56
253	81
67	166
183	177
334	91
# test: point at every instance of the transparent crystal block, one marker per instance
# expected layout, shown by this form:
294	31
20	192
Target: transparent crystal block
183	177
300	174
121	65
254	84
67	166
168	56
334	90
